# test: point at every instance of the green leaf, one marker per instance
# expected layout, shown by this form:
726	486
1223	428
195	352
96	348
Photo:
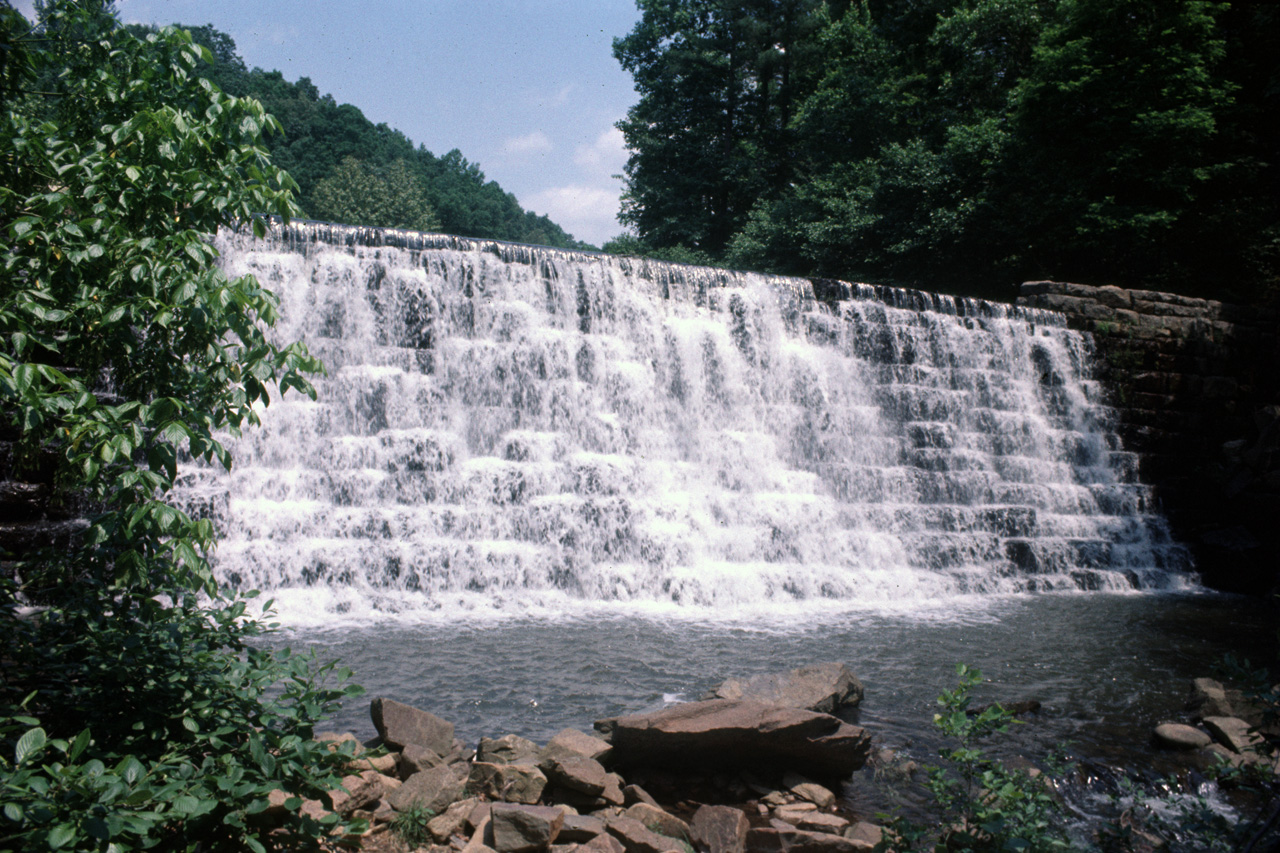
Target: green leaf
13	812
29	744
61	835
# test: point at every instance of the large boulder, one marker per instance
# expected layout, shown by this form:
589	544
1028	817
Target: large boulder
510	749
821	687
435	789
727	734
511	783
399	725
719	829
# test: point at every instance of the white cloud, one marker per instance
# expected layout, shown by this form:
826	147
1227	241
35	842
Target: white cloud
587	211
604	157
530	144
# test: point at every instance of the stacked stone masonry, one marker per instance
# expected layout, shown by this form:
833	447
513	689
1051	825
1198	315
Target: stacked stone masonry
1196	387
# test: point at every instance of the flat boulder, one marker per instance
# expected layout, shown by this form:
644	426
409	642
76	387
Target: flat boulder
776	840
1181	736
638	838
720	734
399	725
821	687
510	749
1233	733
574	742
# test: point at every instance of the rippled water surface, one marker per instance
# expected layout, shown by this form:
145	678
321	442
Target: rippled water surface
1105	667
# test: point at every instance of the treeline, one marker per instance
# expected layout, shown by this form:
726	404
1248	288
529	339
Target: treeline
352	171
961	144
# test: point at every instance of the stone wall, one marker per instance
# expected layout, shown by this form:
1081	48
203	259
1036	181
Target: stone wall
1196	385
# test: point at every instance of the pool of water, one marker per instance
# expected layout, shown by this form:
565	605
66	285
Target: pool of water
1106	667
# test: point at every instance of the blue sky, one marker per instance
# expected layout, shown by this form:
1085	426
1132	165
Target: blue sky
529	89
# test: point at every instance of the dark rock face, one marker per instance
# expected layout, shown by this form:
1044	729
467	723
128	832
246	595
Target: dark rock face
821	687
726	734
400	725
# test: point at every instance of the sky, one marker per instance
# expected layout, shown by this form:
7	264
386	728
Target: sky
528	89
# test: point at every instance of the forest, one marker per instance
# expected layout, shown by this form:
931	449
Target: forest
352	171
963	145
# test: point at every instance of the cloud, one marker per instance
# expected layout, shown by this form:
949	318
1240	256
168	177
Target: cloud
587	211
604	157
530	144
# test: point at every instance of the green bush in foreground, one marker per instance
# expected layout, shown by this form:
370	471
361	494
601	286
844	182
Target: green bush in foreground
134	713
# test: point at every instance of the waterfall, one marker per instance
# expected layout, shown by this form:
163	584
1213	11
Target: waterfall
519	429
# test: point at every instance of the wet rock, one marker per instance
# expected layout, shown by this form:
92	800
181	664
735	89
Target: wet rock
821	687
1208	699
400	725
511	783
435	788
776	840
637	838
524	828
1180	736
509	749
721	734
719	829
578	773
659	821
1232	733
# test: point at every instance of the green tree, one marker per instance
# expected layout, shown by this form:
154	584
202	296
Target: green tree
133	712
711	133
357	195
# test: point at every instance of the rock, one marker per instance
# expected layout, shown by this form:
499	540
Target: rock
580	828
722	733
524	828
511	783
435	788
719	829
335	741
811	791
637	838
775	840
1208	699
360	791
400	725
659	821
864	836
481	839
776	798
384	764
577	772
635	794
821	822
506	750
574	742
793	813
444	826
603	843
821	687
415	758
1232	733
1180	736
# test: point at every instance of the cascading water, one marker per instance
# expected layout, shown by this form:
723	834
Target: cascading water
522	429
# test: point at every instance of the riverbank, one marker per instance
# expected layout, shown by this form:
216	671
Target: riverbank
718	775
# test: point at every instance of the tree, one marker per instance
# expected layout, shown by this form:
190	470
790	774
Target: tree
356	194
711	133
132	711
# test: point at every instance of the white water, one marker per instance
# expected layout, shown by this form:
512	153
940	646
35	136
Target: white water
515	431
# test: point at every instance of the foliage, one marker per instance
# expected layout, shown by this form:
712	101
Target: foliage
134	713
410	825
985	806
629	244
962	144
320	134
356	194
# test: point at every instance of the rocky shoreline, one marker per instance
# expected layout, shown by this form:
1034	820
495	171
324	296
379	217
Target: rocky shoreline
753	767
